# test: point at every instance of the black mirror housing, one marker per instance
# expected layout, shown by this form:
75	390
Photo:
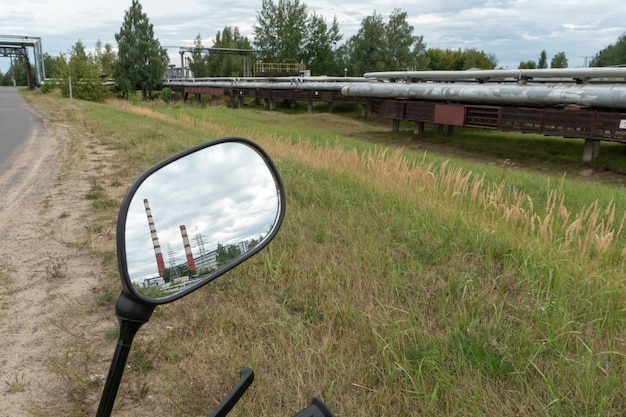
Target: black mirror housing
227	189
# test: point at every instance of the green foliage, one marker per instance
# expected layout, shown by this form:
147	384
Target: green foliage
105	57
284	33
53	65
204	63
380	46
319	46
279	33
18	71
559	60
82	71
614	54
166	94
531	64
141	61
458	60
227	253
543	60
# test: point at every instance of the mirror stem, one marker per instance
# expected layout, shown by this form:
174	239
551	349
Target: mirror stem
131	315
246	376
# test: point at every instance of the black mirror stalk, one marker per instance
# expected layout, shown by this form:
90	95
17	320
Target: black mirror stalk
246	377
131	315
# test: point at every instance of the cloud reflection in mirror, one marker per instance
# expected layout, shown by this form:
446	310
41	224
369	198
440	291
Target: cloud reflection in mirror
225	198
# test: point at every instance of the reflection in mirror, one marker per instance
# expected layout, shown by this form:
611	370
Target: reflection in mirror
197	215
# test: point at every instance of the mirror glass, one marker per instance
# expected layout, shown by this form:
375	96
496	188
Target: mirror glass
198	215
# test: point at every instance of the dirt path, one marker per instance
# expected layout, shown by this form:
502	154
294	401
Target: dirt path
39	270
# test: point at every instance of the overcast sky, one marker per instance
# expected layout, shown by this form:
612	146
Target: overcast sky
513	30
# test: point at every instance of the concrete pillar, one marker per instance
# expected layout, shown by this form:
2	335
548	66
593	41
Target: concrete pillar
419	129
396	125
591	150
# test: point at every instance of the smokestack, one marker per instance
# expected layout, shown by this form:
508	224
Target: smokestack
190	263
155	239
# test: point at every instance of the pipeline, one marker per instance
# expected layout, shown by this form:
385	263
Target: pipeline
291	83
582	74
607	96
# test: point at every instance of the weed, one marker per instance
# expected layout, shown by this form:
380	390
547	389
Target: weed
107	297
56	269
96	191
17	384
112	334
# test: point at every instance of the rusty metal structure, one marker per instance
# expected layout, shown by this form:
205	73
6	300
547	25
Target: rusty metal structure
13	46
587	103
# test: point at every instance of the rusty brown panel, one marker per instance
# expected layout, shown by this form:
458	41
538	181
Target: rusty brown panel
394	109
485	117
420	111
449	114
303	95
326	96
281	94
610	126
521	119
263	94
568	123
205	90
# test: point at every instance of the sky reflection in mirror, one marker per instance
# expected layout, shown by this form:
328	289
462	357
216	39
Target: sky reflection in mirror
224	195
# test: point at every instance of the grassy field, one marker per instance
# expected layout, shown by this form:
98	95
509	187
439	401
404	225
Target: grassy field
467	275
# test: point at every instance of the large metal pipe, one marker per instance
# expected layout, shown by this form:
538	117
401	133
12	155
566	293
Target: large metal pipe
517	74
607	96
269	85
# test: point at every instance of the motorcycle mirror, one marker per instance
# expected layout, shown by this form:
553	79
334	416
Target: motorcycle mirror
196	215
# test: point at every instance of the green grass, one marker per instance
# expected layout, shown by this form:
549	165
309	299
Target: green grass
403	282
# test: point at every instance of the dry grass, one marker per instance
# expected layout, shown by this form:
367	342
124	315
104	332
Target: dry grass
397	286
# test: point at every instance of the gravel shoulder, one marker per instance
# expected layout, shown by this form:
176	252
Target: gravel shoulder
41	269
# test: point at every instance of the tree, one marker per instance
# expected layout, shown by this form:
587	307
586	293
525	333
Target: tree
473	58
366	48
53	65
403	46
458	60
614	54
380	46
141	62
531	64
104	57
198	63
543	60
82	71
559	60
284	33
228	64
320	46
280	31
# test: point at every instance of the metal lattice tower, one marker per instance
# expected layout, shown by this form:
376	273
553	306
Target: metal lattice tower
171	259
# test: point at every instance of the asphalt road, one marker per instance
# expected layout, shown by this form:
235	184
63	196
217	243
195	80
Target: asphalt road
16	124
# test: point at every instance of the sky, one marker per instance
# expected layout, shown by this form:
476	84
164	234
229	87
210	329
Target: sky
512	30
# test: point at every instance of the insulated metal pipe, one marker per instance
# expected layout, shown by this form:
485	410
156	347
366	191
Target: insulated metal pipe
293	85
516	74
608	96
